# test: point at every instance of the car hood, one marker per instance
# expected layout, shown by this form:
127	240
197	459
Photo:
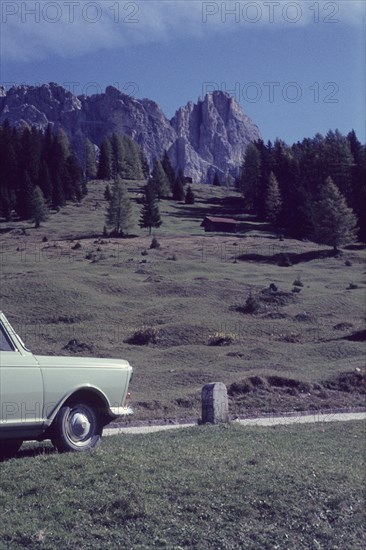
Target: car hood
81	362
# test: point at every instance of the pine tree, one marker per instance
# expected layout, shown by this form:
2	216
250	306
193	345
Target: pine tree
39	210
338	162
334	223
44	181
311	157
64	143
62	188
75	178
144	164
150	215
137	165
47	143
9	169
58	197
178	188
265	167
90	161
84	188
7	202
273	200
119	211
168	169
190	198
105	168
249	180
216	180
132	167
107	193
29	159
160	181
358	175
118	156
24	197
293	217
30	153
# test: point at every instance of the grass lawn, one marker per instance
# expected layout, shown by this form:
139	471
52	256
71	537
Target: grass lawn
222	487
99	291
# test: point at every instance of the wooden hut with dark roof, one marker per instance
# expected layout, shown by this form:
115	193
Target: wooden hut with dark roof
222	225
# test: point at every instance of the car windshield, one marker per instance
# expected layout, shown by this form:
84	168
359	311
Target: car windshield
5	343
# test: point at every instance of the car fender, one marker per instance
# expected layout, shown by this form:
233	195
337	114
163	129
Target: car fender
96	394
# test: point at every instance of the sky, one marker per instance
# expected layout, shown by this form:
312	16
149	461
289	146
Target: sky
296	68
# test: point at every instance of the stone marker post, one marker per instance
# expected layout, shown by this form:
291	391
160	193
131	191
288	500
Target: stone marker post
215	405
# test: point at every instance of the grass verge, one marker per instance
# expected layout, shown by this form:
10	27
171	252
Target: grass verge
295	487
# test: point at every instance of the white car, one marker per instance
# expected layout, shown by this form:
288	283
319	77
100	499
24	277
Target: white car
66	399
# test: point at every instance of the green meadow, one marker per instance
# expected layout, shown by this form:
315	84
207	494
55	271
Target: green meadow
69	290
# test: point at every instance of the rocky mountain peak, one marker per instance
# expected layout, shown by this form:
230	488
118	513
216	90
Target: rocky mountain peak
204	137
213	134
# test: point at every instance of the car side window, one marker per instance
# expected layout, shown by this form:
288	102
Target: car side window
5	343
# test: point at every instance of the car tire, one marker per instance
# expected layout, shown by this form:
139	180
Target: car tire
77	428
9	447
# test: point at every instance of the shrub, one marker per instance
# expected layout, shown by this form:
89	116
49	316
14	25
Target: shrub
343	326
190	197
290	337
75	346
296	289
76	246
143	336
348	263
44	240
252	304
351	381
284	260
352	286
221	339
144	253
155	243
298	282
186	403
304	317
238	388
250	384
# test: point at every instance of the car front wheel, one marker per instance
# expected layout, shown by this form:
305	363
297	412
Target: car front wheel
77	428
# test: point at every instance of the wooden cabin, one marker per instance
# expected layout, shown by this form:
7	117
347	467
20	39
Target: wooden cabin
222	225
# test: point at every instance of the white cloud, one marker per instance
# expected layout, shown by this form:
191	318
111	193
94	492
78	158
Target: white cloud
34	30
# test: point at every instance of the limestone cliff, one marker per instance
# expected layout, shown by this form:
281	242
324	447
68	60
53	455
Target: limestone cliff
202	138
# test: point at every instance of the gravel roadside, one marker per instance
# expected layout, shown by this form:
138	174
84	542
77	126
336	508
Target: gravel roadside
260	421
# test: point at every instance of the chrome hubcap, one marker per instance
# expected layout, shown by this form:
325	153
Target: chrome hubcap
79	425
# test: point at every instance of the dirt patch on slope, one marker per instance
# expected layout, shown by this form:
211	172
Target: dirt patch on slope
277	393
288	258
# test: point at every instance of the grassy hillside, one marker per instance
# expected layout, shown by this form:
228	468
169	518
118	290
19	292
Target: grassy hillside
295	487
190	293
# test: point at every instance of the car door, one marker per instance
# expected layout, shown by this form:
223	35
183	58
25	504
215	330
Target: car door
21	385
